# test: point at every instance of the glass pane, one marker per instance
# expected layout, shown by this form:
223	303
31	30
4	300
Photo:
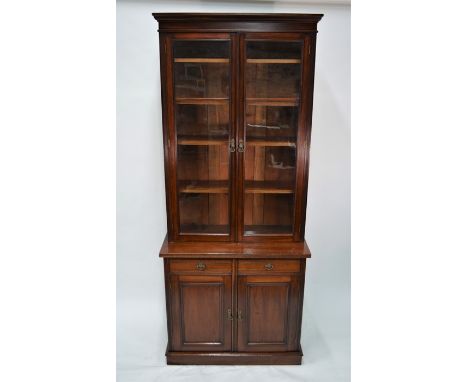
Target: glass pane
195	79
273	70
272	83
202	91
274	49
201	49
204	121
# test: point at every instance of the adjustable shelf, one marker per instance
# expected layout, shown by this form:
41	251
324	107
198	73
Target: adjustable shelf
268	187
203	60
268	229
285	101
201	229
204	186
273	61
222	187
195	140
272	141
201	101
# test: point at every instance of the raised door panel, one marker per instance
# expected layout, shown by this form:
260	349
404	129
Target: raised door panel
199	131
200	312
268	313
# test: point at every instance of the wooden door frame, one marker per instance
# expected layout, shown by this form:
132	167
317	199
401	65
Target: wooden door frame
170	134
303	136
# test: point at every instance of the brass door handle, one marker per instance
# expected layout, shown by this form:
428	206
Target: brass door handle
201	266
229	315
232	146
240	146
269	266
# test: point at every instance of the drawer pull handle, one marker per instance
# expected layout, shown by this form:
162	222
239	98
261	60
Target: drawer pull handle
201	266
269	266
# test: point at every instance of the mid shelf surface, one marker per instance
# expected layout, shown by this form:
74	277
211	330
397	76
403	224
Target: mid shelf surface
222	187
278	250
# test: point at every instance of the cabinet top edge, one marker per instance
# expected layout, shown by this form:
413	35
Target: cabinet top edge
259	17
278	250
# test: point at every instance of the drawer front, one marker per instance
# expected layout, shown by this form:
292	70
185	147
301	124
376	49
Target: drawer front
247	267
200	266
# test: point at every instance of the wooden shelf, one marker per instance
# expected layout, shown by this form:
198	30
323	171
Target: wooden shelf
222	187
268	187
198	229
272	142
268	230
194	140
291	101
202	101
204	186
203	60
273	61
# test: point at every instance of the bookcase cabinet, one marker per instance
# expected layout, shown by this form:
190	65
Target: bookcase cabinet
237	93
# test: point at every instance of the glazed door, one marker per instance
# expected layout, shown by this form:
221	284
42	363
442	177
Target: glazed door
201	136
201	312
271	134
268	313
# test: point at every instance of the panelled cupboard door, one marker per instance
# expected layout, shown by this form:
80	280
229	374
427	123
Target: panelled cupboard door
268	313
200	135
201	312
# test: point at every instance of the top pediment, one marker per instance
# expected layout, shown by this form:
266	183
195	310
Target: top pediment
237	22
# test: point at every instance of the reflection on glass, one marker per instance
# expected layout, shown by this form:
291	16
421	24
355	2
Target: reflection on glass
273	81
272	122
203	120
193	79
263	49
201	49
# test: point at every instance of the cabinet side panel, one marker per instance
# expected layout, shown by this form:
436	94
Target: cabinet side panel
168	304
304	135
168	133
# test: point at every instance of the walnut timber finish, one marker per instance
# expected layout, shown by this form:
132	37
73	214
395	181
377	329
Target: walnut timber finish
237	95
282	250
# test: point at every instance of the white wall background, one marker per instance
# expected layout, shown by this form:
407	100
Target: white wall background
141	215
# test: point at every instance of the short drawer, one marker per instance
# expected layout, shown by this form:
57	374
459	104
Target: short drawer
269	266
200	266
